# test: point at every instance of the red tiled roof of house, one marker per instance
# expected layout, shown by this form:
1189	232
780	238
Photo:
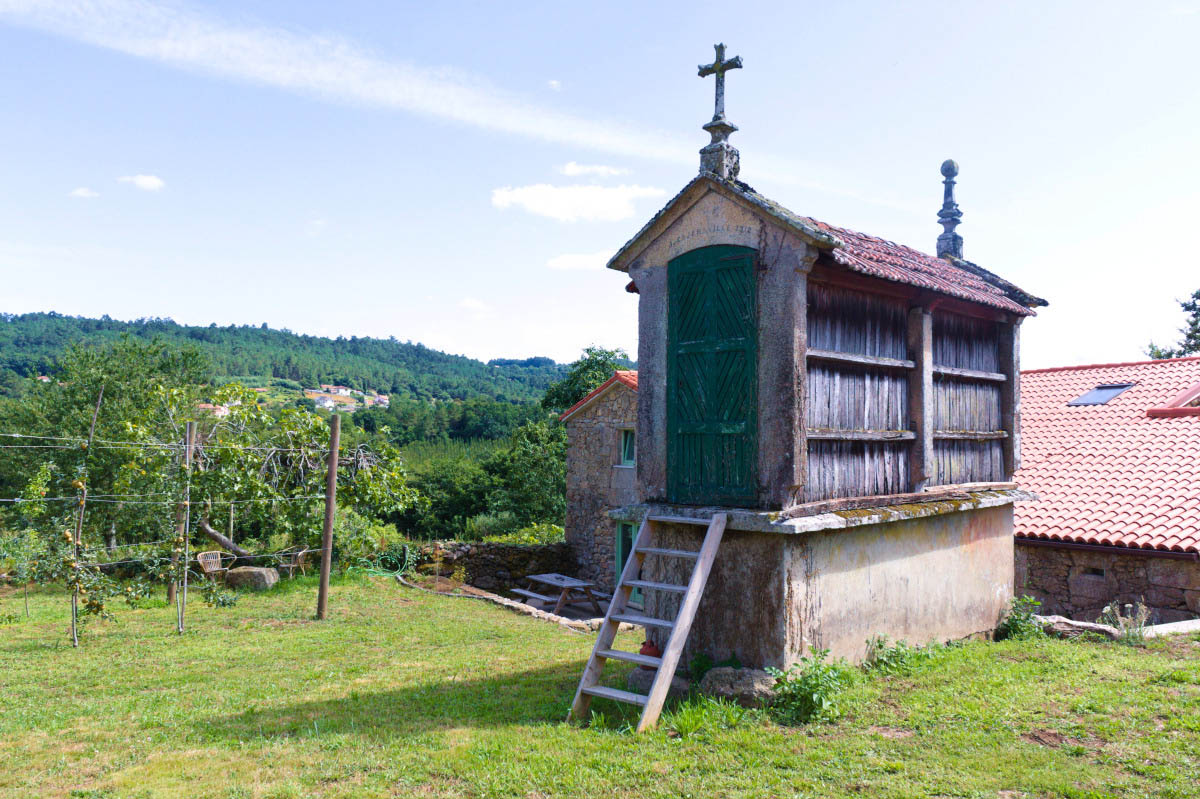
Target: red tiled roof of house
627	377
1117	474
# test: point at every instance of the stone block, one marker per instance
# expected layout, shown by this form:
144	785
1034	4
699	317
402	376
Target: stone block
1183	574
1164	597
252	578
1192	600
747	687
1085	587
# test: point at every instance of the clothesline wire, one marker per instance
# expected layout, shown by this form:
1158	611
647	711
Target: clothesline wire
101	443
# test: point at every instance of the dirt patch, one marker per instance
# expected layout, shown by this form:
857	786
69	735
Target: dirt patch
892	733
1046	738
445	585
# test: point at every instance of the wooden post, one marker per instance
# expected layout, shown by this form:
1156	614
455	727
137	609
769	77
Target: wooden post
335	433
189	442
920	397
1010	395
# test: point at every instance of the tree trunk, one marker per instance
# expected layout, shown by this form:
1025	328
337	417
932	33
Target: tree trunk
222	541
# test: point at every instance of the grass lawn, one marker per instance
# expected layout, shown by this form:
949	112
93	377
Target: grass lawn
402	693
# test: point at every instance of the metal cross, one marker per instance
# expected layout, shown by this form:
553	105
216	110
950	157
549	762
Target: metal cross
719	68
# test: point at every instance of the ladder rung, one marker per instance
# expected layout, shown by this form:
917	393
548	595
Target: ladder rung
681	520
678	589
671	553
642	621
630	657
616	694
534	595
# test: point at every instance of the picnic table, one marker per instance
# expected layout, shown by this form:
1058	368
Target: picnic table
572	591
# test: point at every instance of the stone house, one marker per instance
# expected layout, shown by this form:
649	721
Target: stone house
849	404
1113	453
601	457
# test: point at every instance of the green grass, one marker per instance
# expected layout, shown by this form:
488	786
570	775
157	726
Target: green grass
401	693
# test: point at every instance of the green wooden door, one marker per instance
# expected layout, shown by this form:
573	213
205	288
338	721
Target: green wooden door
712	421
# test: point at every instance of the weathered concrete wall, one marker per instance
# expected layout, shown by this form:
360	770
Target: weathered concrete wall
492	566
1079	583
784	261
596	482
772	598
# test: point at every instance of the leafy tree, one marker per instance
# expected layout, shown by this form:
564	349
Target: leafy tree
452	491
583	376
530	477
1190	343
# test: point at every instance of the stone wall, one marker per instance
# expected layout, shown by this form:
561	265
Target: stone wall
1078	583
596	482
496	567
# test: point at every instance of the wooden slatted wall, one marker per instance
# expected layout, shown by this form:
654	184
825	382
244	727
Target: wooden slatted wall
852	408
968	442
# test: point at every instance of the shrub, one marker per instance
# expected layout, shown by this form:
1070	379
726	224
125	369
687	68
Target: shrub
899	658
487	525
540	533
1131	625
1019	623
808	690
357	538
702	664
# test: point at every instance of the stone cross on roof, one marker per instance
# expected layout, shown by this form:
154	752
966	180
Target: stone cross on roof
720	157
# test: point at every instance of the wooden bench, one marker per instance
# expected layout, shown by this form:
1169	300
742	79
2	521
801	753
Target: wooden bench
572	591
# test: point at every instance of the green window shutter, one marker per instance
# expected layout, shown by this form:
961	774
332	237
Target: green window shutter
712	332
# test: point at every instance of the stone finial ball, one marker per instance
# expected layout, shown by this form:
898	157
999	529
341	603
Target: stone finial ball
949	168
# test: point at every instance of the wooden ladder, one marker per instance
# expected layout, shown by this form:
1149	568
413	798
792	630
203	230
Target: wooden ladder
651	703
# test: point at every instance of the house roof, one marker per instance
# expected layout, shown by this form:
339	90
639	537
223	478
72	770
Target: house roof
1125	473
625	377
865	254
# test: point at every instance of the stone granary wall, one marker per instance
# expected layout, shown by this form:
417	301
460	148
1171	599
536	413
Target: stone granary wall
597	482
1078	583
496	567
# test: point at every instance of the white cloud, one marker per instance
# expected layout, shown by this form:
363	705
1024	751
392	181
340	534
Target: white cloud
144	182
315	226
572	169
575	203
327	66
472	304
585	261
555	85
83	192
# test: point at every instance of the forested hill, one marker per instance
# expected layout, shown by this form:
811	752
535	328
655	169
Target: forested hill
31	343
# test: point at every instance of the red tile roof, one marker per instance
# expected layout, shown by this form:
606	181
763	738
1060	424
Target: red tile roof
627	377
1112	474
861	253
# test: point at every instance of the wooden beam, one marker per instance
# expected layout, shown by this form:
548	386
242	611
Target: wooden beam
920	397
969	435
938	494
969	374
829	434
1010	395
861	360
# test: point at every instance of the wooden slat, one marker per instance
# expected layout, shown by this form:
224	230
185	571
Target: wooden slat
1010	395
826	434
669	553
860	360
969	435
643	621
969	374
616	694
683	623
630	657
681	520
678	589
534	595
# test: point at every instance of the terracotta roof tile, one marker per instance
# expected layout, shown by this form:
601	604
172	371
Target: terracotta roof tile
1111	474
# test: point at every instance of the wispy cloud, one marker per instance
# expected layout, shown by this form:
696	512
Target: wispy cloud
587	261
325	65
84	193
575	203
555	85
143	182
574	170
315	226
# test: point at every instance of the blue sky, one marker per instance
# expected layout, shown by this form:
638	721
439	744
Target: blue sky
456	173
